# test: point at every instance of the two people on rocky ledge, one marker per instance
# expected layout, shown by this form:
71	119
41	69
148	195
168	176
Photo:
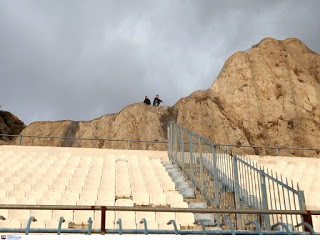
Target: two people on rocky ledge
156	101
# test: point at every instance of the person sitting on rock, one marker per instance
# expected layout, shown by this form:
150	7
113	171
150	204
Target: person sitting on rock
147	100
157	101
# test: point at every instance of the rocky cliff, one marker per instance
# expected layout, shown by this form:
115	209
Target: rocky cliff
9	124
268	96
135	122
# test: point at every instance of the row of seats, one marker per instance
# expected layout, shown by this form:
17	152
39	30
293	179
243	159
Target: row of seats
48	217
140	198
64	179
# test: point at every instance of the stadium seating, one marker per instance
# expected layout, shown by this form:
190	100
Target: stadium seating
60	176
65	176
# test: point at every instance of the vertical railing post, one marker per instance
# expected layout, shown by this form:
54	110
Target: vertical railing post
77	142
302	205
103	220
20	139
176	142
172	140
191	160
168	137
201	170
264	200
128	144
277	151
237	190
182	147
215	179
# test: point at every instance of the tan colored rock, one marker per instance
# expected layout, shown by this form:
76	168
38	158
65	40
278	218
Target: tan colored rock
272	94
135	122
268	96
10	125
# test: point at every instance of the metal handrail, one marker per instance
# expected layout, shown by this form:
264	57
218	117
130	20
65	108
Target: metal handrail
232	181
156	209
164	142
90	139
103	231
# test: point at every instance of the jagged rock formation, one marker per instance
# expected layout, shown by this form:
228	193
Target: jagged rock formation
9	124
135	122
268	96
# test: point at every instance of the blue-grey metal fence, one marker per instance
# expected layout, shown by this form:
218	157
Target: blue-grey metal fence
257	150
226	180
76	142
226	227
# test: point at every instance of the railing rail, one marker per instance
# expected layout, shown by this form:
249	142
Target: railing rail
226	180
103	209
155	209
129	141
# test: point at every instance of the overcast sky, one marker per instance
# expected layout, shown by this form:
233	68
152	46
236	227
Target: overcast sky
80	59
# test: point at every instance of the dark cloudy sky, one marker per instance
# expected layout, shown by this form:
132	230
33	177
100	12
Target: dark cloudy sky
80	59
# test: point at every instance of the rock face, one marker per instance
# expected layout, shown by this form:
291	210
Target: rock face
268	96
135	122
9	124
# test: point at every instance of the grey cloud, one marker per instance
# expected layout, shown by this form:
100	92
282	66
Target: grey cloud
81	59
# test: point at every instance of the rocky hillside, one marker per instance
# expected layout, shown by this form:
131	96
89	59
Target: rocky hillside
9	124
135	122
268	96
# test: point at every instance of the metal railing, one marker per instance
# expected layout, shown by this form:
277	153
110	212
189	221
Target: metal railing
128	143
226	180
76	141
226	227
269	150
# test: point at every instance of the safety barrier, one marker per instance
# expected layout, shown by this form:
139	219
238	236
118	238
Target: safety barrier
226	180
231	148
78	140
226	226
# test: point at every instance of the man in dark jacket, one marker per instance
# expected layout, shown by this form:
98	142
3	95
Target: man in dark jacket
157	101
147	100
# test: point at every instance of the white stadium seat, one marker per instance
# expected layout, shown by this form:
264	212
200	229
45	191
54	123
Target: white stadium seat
69	194
75	188
67	201
3	193
158	199
53	194
89	195
57	187
62	180
14	180
82	216
17	194
14	223
37	194
30	180
23	187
